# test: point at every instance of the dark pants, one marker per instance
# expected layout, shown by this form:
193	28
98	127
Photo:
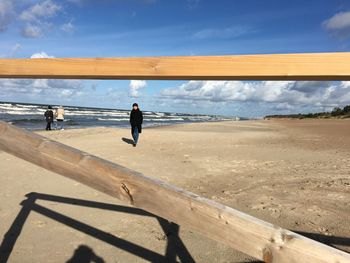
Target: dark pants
135	134
48	125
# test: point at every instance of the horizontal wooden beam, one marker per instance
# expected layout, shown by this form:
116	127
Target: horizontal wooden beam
313	66
221	223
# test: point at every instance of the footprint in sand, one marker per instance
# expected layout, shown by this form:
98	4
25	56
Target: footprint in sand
274	209
317	210
336	196
40	224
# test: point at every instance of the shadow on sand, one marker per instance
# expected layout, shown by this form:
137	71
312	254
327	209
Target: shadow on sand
128	141
174	248
84	254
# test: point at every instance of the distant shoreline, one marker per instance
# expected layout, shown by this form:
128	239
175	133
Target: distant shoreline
336	113
288	117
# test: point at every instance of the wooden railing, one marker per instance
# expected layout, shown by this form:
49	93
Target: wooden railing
318	66
240	231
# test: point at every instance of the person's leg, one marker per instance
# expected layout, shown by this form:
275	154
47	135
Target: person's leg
136	135
60	122
47	125
132	133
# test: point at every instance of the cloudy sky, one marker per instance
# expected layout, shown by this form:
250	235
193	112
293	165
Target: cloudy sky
120	28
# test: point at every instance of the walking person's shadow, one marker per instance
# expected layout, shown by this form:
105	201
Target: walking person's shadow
84	254
128	141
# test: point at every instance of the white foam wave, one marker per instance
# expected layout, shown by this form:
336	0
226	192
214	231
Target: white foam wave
95	113
29	106
113	119
22	113
173	119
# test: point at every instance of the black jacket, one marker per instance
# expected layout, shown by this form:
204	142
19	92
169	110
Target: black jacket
136	119
49	116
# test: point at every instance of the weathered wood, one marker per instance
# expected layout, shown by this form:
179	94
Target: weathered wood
313	66
238	230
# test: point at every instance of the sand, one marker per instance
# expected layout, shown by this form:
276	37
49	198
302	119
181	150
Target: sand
293	173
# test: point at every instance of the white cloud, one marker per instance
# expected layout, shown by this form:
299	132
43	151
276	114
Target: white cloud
32	31
12	51
283	94
68	28
39	11
134	87
41	54
41	88
6	14
37	18
338	25
15	49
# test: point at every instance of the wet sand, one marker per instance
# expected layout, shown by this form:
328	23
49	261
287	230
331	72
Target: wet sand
293	173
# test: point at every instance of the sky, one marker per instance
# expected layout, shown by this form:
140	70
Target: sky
124	28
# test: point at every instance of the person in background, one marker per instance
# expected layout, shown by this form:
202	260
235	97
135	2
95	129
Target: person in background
60	117
49	118
54	119
136	119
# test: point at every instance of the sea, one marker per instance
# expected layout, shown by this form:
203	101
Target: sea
31	116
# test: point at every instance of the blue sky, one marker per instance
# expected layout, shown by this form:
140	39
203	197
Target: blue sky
120	28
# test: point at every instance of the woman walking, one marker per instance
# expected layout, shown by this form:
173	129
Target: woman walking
60	116
136	119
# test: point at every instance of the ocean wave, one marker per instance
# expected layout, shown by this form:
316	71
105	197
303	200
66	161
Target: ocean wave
113	119
169	120
29	106
23	113
95	113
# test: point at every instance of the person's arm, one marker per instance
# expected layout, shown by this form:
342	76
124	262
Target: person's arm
130	117
141	117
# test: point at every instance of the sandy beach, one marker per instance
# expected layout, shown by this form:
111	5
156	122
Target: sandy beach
293	173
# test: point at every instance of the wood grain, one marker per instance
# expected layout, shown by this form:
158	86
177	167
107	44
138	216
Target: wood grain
221	223
313	66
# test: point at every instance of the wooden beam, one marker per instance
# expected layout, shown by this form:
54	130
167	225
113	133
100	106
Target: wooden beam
313	66
221	223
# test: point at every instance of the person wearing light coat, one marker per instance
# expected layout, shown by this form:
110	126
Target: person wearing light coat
60	117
